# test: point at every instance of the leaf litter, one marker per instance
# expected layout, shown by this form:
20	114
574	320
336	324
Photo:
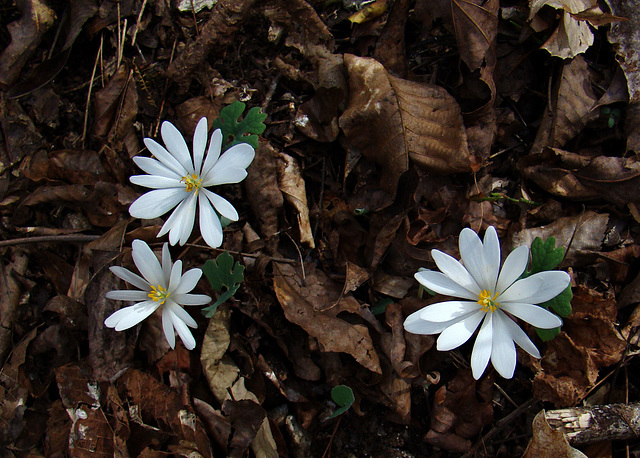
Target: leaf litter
382	129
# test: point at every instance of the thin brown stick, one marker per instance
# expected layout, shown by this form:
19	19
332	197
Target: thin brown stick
66	238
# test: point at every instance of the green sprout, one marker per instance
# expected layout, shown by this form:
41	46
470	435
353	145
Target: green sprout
342	395
223	274
614	115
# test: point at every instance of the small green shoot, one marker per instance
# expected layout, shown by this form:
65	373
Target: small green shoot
545	256
381	306
245	131
223	274
343	396
496	196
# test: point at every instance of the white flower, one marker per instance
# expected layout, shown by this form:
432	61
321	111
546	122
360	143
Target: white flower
492	296
162	286
182	181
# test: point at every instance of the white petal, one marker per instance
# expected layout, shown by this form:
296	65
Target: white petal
156	182
213	153
415	325
199	143
458	333
166	261
173	220
513	267
156	203
188	218
533	314
165	157
127	295
231	167
174	141
191	299
537	288
130	277
175	276
147	263
491	256
222	205
503	350
155	167
472	256
482	348
167	327
447	311
441	284
189	281
210	226
130	316
455	271
181	314
521	338
183	331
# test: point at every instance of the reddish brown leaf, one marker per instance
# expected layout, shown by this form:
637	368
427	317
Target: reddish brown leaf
300	299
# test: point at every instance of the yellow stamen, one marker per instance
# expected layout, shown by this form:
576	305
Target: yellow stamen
158	294
192	182
488	302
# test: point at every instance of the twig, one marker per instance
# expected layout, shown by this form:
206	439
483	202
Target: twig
93	74
66	238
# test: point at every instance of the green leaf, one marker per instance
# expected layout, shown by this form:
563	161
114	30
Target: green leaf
343	396
381	305
547	334
235	131
544	255
561	304
222	273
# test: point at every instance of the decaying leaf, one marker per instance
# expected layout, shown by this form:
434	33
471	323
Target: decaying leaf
570	108
581	236
565	374
572	37
460	410
476	26
293	188
548	442
26	34
302	298
390	120
584	177
591	326
10	293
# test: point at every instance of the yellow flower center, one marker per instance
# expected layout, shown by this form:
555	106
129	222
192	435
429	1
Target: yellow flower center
487	301
158	294
192	182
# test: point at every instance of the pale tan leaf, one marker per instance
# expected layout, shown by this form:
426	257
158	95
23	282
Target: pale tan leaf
390	120
548	442
623	36
572	37
292	186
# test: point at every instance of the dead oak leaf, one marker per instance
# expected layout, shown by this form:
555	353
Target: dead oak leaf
309	303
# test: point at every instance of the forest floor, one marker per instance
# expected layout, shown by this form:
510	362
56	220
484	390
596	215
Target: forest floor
387	133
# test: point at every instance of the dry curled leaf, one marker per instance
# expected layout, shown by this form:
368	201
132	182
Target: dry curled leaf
293	188
390	120
572	37
570	108
548	442
26	34
309	303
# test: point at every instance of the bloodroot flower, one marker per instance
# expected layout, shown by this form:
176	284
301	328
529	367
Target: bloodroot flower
491	296
180	180
162	286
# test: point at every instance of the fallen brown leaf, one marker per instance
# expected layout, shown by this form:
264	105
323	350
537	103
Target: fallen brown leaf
548	442
390	120
302	298
293	188
26	34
